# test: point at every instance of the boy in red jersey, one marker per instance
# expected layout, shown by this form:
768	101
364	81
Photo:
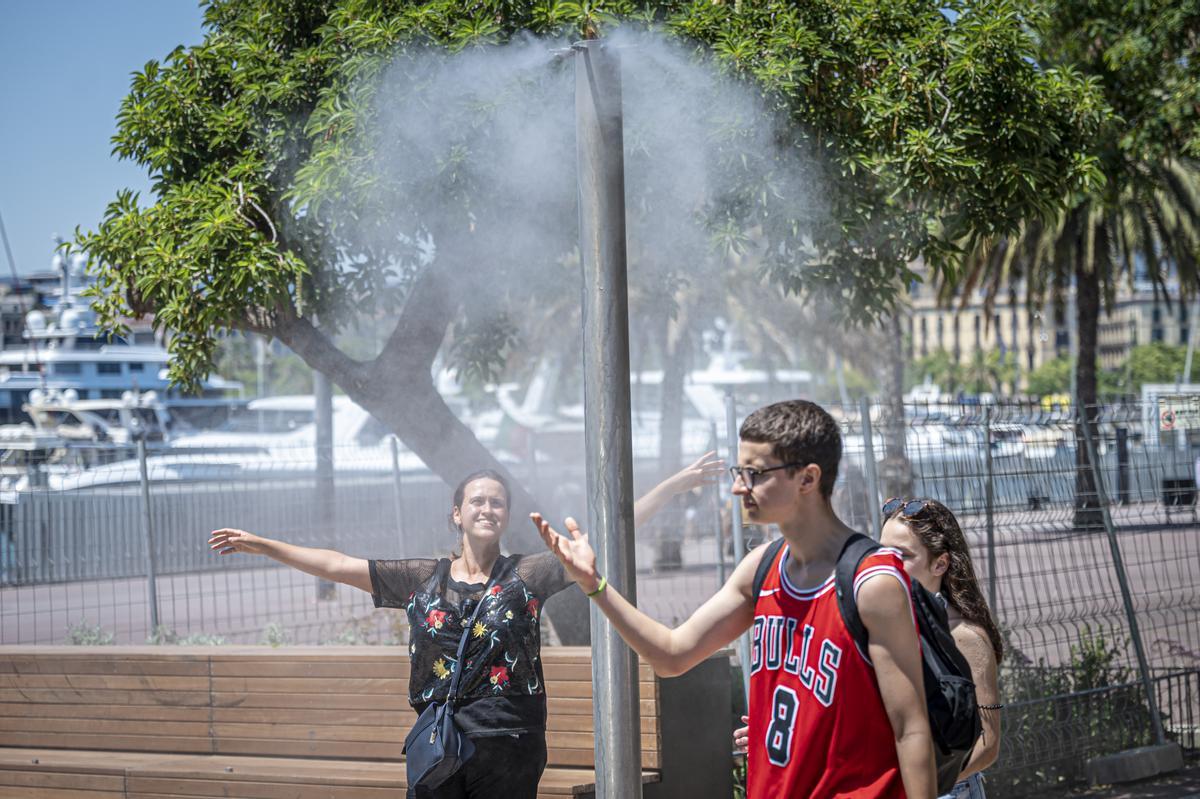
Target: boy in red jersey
821	710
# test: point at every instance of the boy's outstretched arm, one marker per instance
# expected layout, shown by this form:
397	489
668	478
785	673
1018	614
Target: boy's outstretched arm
725	616
895	650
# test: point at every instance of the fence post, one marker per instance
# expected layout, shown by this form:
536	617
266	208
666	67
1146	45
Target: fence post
739	543
394	442
148	528
716	503
873	503
990	500
1119	565
1122	465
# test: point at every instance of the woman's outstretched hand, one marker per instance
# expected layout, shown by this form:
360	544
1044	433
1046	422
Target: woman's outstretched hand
575	552
228	540
708	468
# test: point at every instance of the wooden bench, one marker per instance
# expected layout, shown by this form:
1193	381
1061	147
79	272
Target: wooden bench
262	723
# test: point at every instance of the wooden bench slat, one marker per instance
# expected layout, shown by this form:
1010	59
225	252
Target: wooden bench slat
320	748
373	717
334	702
106	682
29	792
113	763
184	668
238	668
132	743
165	786
100	696
14	710
303	685
106	727
42	779
371	685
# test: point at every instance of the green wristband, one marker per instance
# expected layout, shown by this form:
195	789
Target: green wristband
599	588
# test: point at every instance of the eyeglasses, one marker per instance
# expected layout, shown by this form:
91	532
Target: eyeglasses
908	508
750	475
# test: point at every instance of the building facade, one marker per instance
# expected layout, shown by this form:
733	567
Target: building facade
963	326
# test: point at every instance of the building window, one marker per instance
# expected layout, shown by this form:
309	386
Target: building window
1156	333
924	337
108	368
110	393
68	369
135	367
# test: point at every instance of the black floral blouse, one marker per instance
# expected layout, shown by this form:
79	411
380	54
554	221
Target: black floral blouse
502	688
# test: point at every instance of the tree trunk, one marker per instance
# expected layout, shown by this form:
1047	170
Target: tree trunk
896	473
676	360
676	356
1087	318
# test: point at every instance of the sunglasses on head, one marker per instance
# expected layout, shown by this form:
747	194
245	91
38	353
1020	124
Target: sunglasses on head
908	507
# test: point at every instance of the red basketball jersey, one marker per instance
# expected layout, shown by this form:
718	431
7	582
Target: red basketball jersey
818	728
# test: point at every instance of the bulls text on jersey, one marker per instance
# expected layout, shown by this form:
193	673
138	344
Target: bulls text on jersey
775	647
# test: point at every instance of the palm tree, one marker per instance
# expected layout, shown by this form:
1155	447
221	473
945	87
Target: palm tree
1144	219
1144	224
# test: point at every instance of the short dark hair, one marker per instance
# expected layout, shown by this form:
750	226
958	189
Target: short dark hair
798	431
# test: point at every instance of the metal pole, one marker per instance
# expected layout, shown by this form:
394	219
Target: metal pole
148	528
716	503
990	494
1122	465
397	485
607	427
873	504
739	541
1191	346
323	399
1119	566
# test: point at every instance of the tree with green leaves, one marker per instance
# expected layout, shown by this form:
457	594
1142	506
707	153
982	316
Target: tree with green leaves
1144	216
940	367
272	211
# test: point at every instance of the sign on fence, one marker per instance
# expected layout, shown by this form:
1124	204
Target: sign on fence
1168	408
1178	412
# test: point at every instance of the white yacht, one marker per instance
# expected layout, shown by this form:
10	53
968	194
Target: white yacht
64	349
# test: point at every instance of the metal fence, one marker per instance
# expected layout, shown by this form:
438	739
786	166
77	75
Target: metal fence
74	556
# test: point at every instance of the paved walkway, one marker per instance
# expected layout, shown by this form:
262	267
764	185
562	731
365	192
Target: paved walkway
1183	784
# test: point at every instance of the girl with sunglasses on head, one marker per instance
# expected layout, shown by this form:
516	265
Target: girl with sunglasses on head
934	552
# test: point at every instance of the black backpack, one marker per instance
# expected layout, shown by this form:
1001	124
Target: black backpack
949	691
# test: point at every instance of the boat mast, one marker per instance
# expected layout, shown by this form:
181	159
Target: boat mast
12	268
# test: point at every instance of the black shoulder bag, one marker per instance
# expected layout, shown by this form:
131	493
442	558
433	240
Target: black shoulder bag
435	747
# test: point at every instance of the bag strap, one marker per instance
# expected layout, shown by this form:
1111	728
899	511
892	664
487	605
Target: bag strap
462	642
857	547
764	565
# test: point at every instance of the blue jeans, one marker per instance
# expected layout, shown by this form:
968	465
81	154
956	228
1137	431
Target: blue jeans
970	788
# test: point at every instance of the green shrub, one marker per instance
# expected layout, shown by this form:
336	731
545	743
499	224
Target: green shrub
83	634
275	635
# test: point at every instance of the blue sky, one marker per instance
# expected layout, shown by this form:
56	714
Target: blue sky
64	67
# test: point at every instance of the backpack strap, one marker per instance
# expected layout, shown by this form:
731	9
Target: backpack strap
764	565
857	547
